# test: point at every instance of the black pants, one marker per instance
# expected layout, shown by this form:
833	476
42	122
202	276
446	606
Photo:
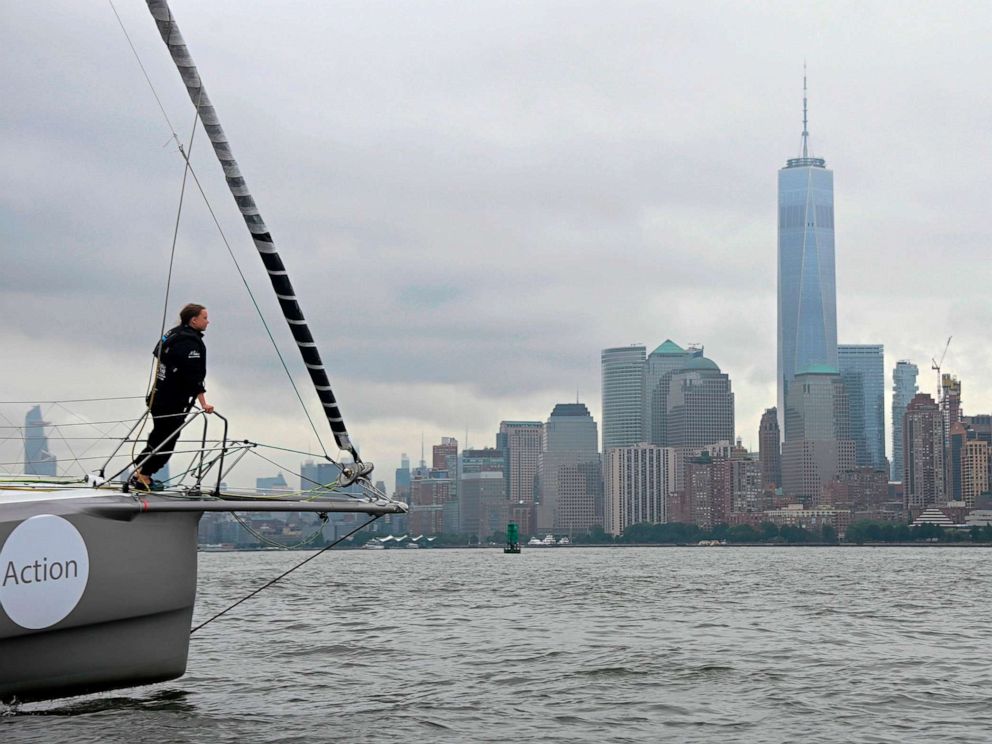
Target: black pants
168	418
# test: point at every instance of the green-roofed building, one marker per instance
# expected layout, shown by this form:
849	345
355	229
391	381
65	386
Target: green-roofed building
661	363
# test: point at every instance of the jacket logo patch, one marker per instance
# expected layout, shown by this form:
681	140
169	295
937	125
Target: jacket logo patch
194	354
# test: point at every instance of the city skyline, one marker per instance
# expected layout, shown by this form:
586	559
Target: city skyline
495	227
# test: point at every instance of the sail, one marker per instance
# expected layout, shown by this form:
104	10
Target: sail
260	234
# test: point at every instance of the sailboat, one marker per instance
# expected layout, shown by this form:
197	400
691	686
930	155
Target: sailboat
97	585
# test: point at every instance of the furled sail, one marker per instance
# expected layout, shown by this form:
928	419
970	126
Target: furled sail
260	233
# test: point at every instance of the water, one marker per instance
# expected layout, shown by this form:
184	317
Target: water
570	645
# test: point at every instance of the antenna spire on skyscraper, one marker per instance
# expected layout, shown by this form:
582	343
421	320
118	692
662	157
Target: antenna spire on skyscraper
805	127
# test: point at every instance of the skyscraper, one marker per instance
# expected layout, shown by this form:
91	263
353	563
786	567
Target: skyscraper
638	480
403	478
950	403
903	390
807	292
659	366
770	449
817	445
570	474
37	458
700	406
923	450
521	443
482	492
862	370
445	456
623	396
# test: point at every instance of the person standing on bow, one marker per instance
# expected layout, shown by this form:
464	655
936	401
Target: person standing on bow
180	376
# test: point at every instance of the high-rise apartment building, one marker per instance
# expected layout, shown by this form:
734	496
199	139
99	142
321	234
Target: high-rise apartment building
521	443
638	479
807	292
433	508
817	444
903	389
708	491
570	474
700	405
623	396
923	452
445	456
950	403
770	449
974	471
862	370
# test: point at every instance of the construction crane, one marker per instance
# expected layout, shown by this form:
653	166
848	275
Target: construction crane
936	365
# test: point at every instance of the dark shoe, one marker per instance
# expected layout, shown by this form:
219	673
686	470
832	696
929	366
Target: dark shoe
157	485
138	486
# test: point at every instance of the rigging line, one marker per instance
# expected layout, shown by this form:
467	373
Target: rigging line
23	437
284	574
105	435
321	488
219	228
293	451
69	400
77	423
153	377
258	309
267	541
75	458
148	79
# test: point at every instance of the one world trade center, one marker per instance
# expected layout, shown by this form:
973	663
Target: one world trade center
807	286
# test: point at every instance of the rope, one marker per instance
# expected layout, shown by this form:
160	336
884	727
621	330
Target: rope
283	575
69	400
220	230
272	543
161	108
258	310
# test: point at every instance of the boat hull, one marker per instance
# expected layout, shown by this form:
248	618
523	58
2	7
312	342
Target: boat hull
130	624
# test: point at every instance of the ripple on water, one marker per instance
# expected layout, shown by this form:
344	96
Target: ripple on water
591	645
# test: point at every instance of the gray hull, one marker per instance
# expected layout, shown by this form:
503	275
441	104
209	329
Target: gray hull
97	587
131	624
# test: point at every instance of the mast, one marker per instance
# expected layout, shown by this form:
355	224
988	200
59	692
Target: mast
281	284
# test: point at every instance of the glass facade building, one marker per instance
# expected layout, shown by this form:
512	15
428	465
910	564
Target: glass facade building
807	291
862	370
623	396
904	388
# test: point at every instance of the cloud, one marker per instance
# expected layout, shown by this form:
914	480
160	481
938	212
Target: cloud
474	200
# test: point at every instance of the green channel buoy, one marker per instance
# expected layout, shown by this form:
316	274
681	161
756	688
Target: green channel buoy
512	538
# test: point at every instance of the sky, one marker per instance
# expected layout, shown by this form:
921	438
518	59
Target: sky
474	199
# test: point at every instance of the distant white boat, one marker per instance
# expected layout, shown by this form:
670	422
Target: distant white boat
373	545
549	540
534	542
565	541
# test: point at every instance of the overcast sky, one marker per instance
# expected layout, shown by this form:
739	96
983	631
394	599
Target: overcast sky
473	199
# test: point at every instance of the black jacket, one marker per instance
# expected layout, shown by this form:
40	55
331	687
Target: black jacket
182	365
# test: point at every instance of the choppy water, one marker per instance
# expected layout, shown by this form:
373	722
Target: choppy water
571	645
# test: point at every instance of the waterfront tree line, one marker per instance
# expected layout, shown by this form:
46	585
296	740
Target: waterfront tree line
858	533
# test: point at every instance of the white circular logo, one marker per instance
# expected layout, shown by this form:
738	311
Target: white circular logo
44	566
